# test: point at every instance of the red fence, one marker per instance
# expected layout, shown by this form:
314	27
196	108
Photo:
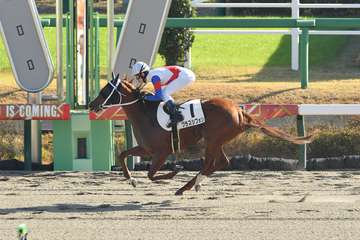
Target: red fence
264	111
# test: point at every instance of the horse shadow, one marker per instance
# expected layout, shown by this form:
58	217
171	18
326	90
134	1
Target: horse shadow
100	208
271	94
72	208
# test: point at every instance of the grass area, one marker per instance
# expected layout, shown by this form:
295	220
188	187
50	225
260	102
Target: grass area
259	50
216	51
246	68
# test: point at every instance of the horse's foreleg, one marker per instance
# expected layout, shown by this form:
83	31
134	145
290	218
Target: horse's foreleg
135	151
156	165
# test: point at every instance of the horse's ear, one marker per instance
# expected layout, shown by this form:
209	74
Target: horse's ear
115	77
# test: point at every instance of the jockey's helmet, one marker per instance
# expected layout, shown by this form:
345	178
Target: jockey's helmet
139	67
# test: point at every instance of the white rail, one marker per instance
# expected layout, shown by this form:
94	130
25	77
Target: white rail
324	5
321	110
329	109
242	5
273	5
284	32
230	32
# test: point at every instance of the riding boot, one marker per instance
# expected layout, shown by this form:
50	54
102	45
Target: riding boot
175	114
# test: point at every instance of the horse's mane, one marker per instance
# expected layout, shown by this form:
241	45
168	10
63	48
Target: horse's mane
148	107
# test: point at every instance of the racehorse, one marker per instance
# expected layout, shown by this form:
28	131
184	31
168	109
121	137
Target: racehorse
224	121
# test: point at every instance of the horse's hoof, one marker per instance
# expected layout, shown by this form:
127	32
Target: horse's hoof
178	193
133	182
197	187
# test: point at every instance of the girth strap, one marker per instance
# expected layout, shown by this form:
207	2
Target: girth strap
175	139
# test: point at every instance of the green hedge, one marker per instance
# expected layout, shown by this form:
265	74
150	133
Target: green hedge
175	42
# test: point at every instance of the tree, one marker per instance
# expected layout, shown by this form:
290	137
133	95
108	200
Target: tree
176	42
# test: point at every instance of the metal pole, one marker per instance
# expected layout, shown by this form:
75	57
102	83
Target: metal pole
97	55
188	62
301	133
59	49
304	58
90	53
110	34
32	136
27	145
128	128
295	14
69	92
36	132
72	55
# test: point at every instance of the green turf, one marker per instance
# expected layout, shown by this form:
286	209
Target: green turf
260	50
216	51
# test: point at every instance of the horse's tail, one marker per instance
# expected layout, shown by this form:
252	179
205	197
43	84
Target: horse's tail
252	121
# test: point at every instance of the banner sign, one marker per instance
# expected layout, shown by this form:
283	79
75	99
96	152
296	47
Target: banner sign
34	112
111	113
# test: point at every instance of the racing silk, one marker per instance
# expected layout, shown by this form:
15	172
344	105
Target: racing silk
160	78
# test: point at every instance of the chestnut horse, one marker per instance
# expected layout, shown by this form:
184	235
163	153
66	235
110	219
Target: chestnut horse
224	121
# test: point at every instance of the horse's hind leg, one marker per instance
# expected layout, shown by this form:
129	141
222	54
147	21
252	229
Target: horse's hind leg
156	165
222	161
211	154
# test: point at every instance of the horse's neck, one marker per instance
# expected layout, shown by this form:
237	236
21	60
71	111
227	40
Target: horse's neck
141	117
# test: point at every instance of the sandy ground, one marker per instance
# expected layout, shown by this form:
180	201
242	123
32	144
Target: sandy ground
230	205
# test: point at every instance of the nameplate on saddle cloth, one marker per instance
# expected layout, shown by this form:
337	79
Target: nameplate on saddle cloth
191	110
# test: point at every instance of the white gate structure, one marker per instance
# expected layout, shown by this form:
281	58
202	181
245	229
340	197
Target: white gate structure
295	6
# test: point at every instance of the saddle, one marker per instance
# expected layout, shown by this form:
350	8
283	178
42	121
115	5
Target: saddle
187	114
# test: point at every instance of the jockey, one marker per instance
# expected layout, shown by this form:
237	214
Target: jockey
166	81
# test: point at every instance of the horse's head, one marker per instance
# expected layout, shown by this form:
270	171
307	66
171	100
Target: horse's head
116	92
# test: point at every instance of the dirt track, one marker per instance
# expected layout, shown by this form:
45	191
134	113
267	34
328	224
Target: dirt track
231	205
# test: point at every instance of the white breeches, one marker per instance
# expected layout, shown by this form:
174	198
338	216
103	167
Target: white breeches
186	77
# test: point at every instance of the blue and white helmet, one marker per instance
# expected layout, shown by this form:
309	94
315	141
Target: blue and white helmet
139	67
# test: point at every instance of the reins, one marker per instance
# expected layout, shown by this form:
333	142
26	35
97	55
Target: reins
115	89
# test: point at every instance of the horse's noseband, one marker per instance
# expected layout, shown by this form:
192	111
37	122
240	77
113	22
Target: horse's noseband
114	89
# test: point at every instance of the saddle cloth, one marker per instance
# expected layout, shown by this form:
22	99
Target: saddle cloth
191	110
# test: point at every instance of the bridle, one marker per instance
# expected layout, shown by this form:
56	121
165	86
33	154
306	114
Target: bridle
115	89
